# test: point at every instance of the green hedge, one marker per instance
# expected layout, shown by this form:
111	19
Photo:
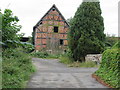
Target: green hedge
109	70
16	68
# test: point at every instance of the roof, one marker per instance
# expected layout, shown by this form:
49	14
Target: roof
54	6
24	39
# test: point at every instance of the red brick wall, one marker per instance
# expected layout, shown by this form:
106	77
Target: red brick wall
45	32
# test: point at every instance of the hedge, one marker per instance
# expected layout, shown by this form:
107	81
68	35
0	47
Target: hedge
109	70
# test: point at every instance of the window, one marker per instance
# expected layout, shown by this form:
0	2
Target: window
53	9
61	42
40	23
56	29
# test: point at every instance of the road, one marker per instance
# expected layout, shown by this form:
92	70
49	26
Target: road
53	74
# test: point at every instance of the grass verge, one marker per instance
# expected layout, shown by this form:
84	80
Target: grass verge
45	55
63	59
17	68
71	63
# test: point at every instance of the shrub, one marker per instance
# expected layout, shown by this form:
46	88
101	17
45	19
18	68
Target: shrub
109	69
16	68
116	45
71	63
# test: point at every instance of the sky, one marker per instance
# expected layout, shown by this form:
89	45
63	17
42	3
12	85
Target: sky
30	12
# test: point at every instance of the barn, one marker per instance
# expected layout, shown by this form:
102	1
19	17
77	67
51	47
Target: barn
50	33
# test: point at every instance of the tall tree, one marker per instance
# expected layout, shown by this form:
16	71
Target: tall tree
9	26
87	31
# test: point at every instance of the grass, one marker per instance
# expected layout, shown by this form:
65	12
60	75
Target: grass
45	55
66	60
16	68
63	59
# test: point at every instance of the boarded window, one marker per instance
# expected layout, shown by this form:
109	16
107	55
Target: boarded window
56	29
61	42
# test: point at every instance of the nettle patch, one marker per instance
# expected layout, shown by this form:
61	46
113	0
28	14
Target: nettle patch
109	69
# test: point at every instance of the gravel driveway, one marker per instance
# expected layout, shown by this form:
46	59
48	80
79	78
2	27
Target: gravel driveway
53	74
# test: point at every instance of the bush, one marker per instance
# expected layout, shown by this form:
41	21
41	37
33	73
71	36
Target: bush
16	68
116	45
109	69
44	55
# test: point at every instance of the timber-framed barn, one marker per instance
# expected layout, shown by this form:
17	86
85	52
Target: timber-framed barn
50	33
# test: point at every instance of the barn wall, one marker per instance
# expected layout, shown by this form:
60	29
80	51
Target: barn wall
46	38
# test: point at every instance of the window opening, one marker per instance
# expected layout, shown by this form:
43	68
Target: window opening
56	29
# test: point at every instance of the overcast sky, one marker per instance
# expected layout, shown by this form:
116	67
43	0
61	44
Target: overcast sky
30	12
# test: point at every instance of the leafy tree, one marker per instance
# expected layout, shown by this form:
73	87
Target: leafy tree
9	26
86	32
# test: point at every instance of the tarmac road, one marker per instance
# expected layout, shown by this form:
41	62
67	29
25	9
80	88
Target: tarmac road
53	74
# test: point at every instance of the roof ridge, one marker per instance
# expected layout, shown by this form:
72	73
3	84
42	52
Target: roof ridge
48	12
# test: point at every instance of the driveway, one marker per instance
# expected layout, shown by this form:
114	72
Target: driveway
53	74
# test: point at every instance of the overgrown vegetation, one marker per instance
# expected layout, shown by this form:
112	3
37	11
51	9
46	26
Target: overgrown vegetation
86	34
17	68
44	55
16	63
69	62
109	69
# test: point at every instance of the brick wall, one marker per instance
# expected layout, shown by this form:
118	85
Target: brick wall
45	36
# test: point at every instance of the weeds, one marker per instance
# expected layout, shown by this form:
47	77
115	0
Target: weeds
16	68
71	63
45	55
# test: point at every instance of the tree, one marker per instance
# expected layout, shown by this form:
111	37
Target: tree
86	35
9	26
